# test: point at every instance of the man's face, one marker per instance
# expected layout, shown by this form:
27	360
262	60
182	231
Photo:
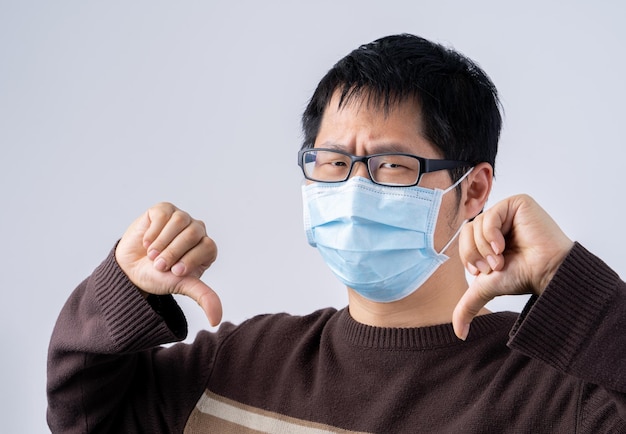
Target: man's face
363	129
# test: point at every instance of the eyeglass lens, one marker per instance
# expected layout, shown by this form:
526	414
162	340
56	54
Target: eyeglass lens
390	169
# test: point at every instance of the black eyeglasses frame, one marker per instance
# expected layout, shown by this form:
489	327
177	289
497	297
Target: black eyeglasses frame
426	165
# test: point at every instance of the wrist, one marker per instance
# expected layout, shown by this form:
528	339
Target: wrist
553	264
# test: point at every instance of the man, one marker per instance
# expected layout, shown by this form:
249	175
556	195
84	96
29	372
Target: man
400	143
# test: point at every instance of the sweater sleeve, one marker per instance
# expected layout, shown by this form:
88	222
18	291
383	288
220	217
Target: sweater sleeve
578	326
106	369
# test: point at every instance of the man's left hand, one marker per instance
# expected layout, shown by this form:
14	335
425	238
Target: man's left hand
513	248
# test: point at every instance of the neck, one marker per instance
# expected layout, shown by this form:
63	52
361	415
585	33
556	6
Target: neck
432	304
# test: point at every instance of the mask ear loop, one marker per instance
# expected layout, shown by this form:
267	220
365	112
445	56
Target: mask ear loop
458	231
459	181
456	234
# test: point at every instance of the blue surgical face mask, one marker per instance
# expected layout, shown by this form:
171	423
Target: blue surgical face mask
377	240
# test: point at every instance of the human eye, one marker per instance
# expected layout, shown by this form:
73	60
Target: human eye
396	162
390	165
330	166
337	163
332	159
395	169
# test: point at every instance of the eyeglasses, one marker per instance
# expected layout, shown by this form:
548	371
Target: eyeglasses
392	169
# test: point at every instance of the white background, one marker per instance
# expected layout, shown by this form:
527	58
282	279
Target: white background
109	107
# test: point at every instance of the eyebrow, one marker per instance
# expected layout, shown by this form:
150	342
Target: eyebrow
390	147
380	148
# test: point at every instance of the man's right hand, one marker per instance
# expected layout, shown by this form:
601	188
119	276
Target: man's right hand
166	251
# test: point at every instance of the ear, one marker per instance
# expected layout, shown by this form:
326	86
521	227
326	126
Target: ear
476	191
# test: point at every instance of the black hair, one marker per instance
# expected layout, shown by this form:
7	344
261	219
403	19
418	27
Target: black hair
458	102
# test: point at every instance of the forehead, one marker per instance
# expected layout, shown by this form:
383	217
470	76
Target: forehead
364	124
373	100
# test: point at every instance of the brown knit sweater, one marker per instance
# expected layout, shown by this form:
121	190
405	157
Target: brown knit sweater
559	367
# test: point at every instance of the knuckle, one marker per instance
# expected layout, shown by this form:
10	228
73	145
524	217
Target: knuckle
168	256
197	229
466	230
160	212
479	218
202	299
489	219
164	208
484	293
180	218
166	205
211	248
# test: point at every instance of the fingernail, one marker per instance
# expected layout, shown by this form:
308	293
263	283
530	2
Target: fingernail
472	270
178	269
160	264
464	332
492	262
483	267
153	254
494	246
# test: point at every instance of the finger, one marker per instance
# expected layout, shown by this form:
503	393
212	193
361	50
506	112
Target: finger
496	224
133	237
467	248
483	261
490	241
489	230
202	294
475	250
170	230
161	216
195	261
470	304
183	242
479	240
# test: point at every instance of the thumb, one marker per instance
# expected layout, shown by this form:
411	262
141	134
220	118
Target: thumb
473	300
202	294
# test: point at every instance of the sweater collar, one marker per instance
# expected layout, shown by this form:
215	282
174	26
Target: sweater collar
420	338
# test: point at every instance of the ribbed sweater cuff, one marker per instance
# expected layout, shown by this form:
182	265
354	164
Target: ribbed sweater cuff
132	324
554	326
